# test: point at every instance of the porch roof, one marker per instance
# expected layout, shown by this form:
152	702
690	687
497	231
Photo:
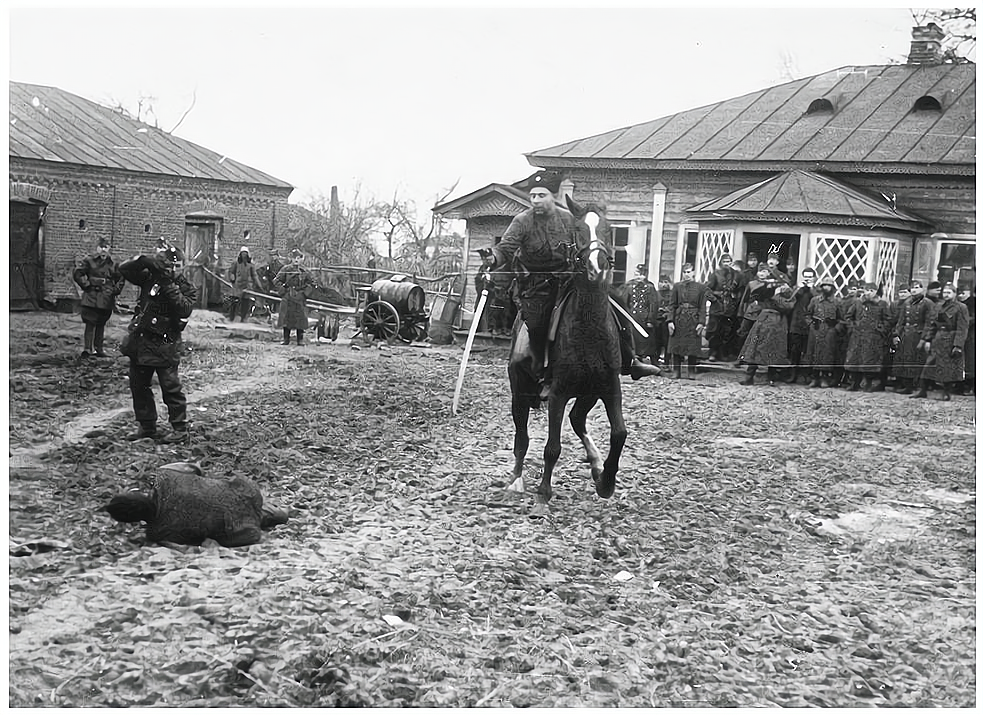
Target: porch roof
508	196
808	198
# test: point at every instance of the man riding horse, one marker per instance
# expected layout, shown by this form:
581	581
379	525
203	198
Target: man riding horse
538	243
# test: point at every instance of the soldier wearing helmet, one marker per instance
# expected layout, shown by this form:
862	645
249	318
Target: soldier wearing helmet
153	339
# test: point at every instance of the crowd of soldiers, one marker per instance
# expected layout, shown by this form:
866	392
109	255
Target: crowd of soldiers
804	329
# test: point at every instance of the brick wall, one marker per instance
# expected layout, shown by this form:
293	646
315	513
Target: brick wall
133	210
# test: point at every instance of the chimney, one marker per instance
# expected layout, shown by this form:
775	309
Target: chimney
925	47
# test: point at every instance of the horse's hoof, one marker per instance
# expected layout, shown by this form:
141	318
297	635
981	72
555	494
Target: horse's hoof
540	509
605	485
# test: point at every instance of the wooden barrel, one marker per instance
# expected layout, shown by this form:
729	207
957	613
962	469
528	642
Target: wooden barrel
405	296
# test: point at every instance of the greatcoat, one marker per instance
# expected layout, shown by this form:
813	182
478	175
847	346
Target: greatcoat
946	329
870	322
910	326
687	309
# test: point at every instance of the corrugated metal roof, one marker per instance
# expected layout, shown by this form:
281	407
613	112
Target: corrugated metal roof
807	196
49	124
872	121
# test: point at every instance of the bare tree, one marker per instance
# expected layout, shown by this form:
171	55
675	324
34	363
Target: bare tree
418	247
959	28
339	233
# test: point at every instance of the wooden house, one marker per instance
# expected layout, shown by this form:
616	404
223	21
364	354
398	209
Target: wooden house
860	172
80	171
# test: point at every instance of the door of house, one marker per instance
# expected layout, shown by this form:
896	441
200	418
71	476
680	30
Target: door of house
200	255
764	243
25	255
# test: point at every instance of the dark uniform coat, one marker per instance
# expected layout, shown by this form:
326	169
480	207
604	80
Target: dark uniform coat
642	300
724	287
687	309
870	321
822	342
946	329
537	247
969	344
910	325
101	282
766	344
295	285
164	305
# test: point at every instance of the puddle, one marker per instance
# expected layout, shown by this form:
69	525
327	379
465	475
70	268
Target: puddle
878	521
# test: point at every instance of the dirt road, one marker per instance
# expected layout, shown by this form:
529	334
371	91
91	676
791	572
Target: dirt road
764	547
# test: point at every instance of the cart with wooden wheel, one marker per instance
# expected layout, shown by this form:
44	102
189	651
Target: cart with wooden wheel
393	310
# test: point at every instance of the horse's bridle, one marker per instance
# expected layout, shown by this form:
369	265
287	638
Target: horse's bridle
589	257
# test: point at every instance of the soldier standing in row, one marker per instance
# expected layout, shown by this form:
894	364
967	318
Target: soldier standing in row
914	314
869	318
724	286
798	331
943	339
641	298
295	284
99	277
822	342
686	321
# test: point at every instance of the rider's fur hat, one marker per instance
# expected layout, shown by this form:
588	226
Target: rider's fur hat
548	179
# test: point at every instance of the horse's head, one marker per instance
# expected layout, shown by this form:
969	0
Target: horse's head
592	241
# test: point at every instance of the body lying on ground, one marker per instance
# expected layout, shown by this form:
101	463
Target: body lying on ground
185	507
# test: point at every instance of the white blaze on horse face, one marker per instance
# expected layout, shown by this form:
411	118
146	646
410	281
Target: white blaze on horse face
595	269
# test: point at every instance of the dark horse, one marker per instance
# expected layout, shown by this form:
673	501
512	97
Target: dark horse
584	358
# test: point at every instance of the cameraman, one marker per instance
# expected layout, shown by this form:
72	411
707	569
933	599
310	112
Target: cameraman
154	339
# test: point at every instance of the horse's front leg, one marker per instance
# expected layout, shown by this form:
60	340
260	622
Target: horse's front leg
577	417
617	438
521	440
552	449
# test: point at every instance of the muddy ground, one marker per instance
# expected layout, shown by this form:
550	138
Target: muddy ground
764	547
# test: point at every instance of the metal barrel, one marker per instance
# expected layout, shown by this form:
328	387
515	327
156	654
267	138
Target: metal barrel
406	297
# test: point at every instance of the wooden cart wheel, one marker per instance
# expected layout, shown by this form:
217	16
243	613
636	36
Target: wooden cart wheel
381	322
414	329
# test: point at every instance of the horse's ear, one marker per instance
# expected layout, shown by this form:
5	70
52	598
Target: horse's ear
576	209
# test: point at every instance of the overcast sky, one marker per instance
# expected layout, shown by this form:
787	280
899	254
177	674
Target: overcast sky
413	99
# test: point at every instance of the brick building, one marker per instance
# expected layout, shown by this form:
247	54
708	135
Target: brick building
861	172
79	171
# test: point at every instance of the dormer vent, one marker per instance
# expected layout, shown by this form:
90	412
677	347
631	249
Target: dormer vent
927	103
820	105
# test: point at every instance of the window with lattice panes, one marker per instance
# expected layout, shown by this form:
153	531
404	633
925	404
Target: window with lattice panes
712	244
841	258
886	267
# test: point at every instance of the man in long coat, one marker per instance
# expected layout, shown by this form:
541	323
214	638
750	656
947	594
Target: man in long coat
798	331
766	343
294	284
869	318
944	340
99	277
822	342
910	324
640	297
966	297
725	290
688	314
